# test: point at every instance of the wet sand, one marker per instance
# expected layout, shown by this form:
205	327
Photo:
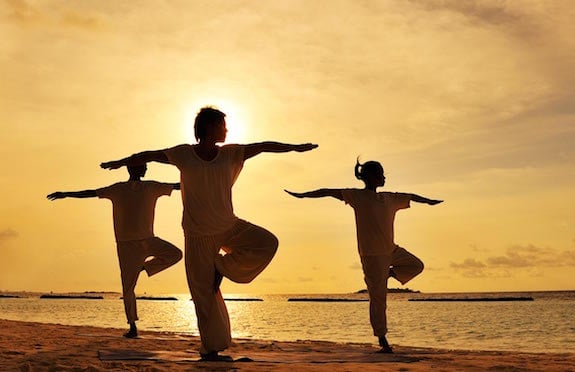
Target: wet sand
40	347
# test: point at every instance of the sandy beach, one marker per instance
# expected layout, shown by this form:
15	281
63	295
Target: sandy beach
40	347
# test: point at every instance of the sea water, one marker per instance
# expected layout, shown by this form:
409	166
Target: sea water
546	324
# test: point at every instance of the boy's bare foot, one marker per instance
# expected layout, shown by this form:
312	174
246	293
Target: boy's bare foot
385	348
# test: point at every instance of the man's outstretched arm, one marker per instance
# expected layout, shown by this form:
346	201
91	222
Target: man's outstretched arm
176	186
137	159
254	149
72	194
319	193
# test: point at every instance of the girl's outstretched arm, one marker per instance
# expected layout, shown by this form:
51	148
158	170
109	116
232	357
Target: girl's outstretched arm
319	193
254	149
421	199
72	194
137	159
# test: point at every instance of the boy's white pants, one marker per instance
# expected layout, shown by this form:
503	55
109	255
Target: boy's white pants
376	272
132	255
248	250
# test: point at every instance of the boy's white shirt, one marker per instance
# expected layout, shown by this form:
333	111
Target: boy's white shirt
134	204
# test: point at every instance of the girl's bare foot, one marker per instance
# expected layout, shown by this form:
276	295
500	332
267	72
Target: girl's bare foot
132	333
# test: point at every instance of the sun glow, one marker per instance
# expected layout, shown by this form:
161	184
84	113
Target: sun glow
235	119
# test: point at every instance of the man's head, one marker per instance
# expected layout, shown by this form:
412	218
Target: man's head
208	122
137	171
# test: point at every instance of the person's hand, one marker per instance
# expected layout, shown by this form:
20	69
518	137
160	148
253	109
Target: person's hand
433	202
114	164
56	195
296	194
305	147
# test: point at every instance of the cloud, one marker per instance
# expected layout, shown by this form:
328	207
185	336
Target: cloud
516	258
23	12
532	256
470	268
75	19
355	266
7	234
469	263
481	12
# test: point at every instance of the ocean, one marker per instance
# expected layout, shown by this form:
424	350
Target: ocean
546	324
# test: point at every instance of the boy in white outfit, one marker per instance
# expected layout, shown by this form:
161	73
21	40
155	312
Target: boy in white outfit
380	257
207	174
133	205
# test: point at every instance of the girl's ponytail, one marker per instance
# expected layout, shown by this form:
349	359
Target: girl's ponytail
357	169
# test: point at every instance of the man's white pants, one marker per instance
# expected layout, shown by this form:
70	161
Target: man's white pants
132	255
248	250
376	272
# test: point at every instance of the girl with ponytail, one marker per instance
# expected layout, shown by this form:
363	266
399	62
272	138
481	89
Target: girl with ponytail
380	257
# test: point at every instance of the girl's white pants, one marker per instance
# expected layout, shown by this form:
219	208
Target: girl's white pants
376	272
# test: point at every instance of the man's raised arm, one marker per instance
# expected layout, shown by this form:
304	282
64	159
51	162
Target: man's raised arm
257	148
137	159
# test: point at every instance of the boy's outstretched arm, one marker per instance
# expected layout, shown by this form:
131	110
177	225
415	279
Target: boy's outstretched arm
176	186
137	159
421	199
72	194
319	193
254	149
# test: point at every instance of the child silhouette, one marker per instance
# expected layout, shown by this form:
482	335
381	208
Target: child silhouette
380	256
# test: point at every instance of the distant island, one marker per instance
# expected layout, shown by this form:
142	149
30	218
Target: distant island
350	297
392	290
326	299
154	298
472	299
71	296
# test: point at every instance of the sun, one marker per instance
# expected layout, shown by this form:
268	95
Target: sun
235	119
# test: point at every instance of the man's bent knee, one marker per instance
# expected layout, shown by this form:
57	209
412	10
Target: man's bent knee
177	256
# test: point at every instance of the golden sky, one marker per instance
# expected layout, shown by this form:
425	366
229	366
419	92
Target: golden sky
471	102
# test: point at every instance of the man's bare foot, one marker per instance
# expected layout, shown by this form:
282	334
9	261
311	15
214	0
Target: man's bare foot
385	348
213	356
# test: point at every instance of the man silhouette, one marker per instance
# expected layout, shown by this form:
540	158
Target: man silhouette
208	172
